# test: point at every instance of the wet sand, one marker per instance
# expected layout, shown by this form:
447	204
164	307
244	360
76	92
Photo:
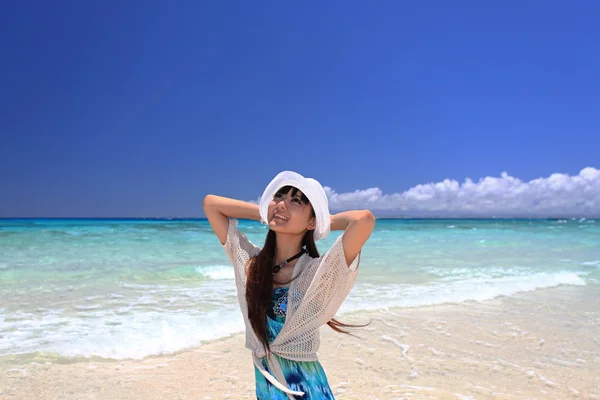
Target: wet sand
541	345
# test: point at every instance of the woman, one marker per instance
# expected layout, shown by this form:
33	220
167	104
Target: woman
286	291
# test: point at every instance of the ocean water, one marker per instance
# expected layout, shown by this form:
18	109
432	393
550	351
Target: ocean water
72	290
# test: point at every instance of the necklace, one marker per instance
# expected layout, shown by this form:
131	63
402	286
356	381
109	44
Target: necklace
277	267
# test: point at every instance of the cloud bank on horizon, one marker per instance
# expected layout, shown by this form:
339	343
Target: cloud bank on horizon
559	195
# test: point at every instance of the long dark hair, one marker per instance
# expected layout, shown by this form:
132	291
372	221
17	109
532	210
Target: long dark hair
259	283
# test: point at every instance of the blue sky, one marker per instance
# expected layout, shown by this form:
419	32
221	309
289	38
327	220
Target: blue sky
118	109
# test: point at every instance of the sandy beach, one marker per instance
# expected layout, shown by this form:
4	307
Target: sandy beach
541	345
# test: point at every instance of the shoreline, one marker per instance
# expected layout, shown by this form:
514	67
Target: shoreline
537	345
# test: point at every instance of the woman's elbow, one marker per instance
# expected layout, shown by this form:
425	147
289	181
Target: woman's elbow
367	219
208	200
368	216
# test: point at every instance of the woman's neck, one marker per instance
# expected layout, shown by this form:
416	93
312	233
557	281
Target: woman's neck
287	246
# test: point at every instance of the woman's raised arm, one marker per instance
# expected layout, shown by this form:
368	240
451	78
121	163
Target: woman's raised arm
357	226
219	209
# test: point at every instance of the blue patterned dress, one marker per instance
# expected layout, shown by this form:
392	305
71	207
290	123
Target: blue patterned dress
305	376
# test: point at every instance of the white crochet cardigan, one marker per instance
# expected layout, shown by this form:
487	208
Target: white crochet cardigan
313	299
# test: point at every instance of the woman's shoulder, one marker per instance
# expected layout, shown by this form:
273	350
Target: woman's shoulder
238	240
334	256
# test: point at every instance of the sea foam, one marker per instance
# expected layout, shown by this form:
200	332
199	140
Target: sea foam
216	272
369	296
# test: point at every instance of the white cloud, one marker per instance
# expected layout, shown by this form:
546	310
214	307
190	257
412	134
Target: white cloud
558	195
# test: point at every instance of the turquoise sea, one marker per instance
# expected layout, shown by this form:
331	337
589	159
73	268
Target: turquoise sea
76	289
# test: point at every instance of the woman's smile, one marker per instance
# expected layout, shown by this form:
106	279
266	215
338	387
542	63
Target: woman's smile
280	217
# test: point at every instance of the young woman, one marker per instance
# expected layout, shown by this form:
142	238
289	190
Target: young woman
286	291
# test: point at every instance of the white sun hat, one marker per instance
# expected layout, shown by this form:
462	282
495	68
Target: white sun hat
311	188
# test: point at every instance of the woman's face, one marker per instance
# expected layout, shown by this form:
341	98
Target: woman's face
288	213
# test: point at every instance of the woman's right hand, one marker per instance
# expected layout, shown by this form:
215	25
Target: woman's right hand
219	209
